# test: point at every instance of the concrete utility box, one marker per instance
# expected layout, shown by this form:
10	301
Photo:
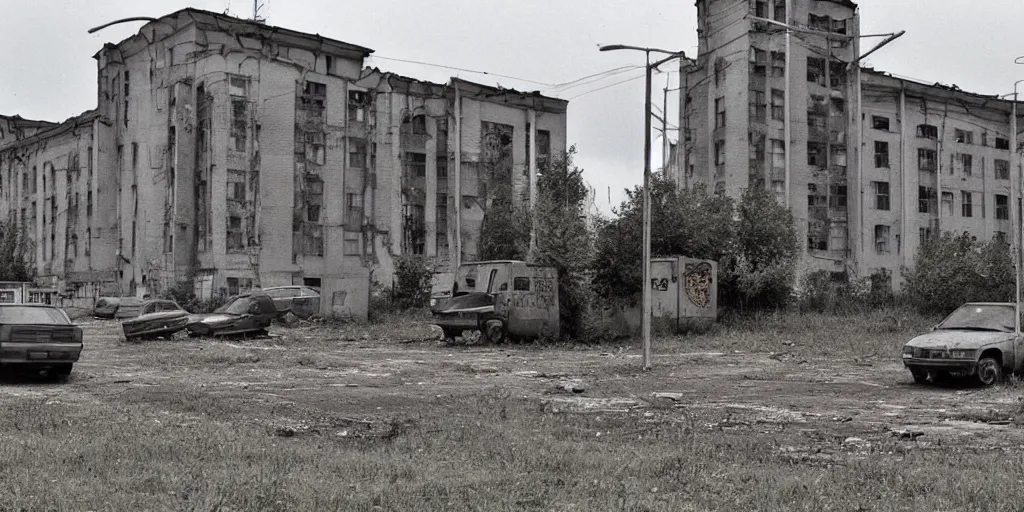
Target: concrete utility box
684	291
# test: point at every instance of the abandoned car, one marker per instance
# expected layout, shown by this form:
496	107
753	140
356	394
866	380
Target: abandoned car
301	301
38	337
978	339
110	307
502	299
241	314
157	318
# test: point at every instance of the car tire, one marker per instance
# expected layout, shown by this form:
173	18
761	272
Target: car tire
61	372
989	371
494	332
451	334
920	375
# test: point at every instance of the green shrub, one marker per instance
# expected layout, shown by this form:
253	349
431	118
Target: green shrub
953	269
412	282
183	292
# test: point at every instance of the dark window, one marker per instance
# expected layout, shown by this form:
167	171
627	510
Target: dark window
837	196
816	154
778	105
521	284
780	11
357	153
720	152
926	160
881	195
719	112
1002	207
417	165
816	70
966	208
759	59
442	167
779	63
239	123
927	131
881	239
234	234
1002	169
821	23
881	154
757	106
968	162
926	200
761	9
419	124
963	136
880	123
1002	143
356	106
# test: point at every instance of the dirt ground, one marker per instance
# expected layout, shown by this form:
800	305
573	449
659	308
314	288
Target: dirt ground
299	375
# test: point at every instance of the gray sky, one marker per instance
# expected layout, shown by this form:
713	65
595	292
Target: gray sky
48	71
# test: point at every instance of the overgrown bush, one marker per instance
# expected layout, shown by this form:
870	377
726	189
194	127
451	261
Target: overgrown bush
412	282
504	230
753	241
15	263
953	269
183	292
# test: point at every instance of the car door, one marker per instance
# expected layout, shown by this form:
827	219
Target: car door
306	304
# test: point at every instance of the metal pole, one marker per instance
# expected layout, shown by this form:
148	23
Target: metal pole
646	319
1020	228
664	130
458	175
787	117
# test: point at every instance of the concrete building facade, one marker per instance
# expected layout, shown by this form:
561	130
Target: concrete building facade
236	155
796	114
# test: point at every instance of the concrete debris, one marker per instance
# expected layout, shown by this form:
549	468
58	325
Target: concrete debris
907	434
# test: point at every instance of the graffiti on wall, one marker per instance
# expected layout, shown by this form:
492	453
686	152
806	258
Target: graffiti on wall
698	281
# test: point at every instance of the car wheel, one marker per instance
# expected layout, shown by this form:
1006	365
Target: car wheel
989	371
920	375
451	334
61	372
494	331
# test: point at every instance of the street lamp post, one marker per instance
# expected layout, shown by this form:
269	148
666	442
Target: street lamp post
1015	168
645	321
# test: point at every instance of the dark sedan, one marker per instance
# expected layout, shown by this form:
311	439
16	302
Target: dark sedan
38	337
302	301
241	314
157	318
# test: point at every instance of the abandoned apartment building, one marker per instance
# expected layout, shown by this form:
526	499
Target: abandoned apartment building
875	164
232	154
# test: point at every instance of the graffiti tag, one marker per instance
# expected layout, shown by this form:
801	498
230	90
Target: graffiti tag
532	301
660	284
698	283
544	285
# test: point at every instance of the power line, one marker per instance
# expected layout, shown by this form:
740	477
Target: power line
463	69
609	85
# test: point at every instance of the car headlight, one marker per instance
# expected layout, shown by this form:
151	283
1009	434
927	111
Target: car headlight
961	354
907	349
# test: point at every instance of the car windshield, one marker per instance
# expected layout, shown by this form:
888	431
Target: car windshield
980	318
235	306
32	315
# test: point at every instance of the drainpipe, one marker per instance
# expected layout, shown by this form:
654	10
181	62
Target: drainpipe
532	157
787	121
904	186
458	175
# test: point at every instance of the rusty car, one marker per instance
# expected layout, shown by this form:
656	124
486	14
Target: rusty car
250	313
504	300
110	307
979	339
38	337
301	301
157	318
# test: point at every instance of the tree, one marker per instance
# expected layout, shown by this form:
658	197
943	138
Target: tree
15	265
564	240
504	231
954	269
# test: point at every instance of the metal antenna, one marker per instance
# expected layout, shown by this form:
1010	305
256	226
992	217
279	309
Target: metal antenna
256	6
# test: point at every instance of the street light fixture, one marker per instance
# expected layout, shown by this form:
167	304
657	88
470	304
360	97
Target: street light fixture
645	320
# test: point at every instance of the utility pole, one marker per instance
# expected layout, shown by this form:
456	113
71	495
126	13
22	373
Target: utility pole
664	129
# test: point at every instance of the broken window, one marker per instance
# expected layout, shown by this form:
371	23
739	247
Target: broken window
543	149
238	86
354	208
881	239
419	125
1002	169
756	143
815	198
837	196
352	245
926	159
926	235
239	123
1002	207
778	154
356	106
314	94
839	26
315	147
760	8
779	64
236	186
816	154
719	152
926	200
759	61
821	23
442	212
780	11
881	194
816	124
838	105
357	153
719	112
947	203
927	131
816	70
967	161
837	74
963	136
966	206
1002	143
234	234
881	154
442	168
314	198
757	106
880	123
417	163
778	104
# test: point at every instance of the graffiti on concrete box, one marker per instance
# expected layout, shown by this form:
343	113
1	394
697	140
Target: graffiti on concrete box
532	300
659	283
698	283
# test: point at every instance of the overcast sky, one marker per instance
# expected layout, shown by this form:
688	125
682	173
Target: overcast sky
46	69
